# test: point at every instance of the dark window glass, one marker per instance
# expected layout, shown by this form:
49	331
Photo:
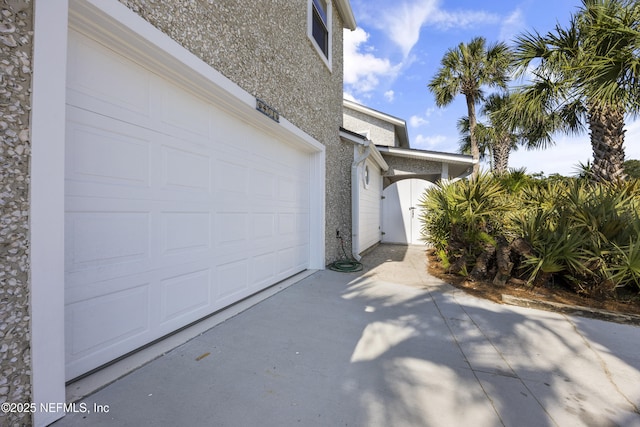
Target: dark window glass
321	7
319	30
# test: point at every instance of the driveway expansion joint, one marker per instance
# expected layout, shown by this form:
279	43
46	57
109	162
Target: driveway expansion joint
577	310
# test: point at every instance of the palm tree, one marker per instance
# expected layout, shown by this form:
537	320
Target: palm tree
505	131
587	73
465	70
505	138
483	136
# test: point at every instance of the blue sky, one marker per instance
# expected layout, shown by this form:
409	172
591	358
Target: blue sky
396	50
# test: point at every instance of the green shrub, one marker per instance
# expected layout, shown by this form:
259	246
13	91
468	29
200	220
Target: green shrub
580	234
459	218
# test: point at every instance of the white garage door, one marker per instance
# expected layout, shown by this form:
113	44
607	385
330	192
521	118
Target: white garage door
174	208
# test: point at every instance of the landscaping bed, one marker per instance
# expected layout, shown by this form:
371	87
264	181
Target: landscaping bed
622	308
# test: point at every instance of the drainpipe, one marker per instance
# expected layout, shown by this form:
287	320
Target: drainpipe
355	197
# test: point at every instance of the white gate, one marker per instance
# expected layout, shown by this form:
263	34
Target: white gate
400	211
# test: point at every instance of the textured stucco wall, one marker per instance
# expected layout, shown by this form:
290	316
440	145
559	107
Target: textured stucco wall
16	36
403	165
380	132
263	47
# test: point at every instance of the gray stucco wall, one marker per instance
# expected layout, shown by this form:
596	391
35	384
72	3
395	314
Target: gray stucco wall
16	38
380	132
405	168
263	47
398	165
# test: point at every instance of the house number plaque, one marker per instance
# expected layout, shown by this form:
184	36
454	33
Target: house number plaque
267	110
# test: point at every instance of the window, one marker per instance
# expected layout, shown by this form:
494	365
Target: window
366	176
320	28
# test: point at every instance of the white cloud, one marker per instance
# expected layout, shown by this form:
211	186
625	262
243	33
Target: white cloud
362	69
403	22
632	141
512	25
462	19
435	142
349	97
563	157
389	95
417	121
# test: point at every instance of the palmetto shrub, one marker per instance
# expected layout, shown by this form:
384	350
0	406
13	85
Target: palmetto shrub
461	218
574	233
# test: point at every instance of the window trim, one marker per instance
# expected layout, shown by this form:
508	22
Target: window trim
366	175
327	59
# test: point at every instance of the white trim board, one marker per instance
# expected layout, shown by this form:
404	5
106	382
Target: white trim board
47	206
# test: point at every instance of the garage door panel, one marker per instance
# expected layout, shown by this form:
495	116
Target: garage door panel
302	224
290	259
230	255
185	232
263	225
287	190
278	156
263	185
107	320
104	82
184	112
231	177
101	239
185	170
103	150
231	228
302	256
274	152
229	203
232	279
289	241
230	146
287	261
185	294
264	269
108	157
87	283
286	224
174	209
232	130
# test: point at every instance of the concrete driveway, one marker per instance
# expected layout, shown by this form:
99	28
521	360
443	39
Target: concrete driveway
389	346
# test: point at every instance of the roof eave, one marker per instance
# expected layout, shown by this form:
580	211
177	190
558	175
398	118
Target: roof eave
399	125
374	113
403	135
344	8
347	135
426	155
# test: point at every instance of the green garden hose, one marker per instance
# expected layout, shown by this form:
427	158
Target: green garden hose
345	265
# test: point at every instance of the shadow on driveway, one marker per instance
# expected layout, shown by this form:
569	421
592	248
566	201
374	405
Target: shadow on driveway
389	346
